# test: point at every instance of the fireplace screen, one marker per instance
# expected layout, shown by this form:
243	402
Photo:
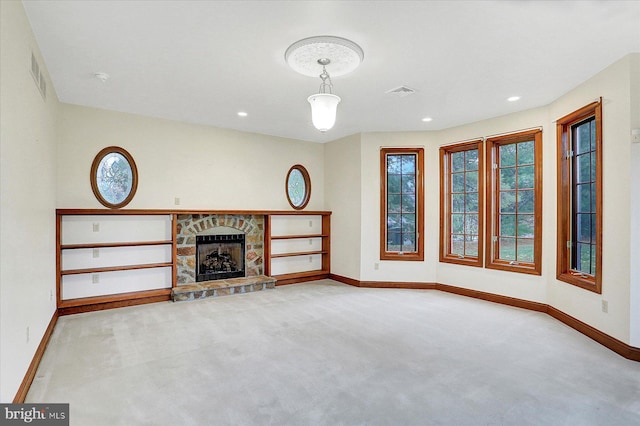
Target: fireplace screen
219	257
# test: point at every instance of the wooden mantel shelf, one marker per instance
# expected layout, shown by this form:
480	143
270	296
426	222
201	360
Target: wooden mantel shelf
167	211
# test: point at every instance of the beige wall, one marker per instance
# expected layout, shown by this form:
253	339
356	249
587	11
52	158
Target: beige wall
27	200
342	198
206	167
634	238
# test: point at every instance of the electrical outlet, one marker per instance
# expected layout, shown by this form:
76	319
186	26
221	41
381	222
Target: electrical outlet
96	227
310	223
310	241
376	266
310	259
96	253
95	278
176	201
605	306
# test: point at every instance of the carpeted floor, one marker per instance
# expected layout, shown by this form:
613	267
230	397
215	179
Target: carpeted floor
324	353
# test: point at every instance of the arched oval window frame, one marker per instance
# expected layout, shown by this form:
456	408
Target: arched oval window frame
307	186
94	176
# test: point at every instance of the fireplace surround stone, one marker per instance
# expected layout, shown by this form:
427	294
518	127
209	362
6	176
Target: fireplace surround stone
191	225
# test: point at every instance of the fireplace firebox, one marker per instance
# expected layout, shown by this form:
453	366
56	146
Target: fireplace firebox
219	257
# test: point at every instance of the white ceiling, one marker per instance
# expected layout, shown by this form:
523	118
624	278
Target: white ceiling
203	61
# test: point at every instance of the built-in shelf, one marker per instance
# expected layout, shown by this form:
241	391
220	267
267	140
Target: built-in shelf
107	245
83	237
115	268
300	253
298	237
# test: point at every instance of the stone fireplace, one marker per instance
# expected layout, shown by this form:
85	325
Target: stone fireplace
214	229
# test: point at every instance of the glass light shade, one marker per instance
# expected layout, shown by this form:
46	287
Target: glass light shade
323	110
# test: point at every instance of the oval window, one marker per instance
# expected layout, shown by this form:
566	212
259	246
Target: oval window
298	187
114	177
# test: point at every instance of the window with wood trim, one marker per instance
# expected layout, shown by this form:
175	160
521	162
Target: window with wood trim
579	254
401	204
514	202
461	203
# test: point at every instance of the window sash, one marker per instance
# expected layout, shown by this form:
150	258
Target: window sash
514	202
579	254
461	203
402	216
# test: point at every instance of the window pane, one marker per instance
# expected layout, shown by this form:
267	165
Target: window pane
471	246
508	202
507	225
507	248
525	152
393	184
508	178
525	250
593	197
593	228
583	198
525	201
457	223
409	223
472	203
393	223
584	258
525	177
472	159
393	205
583	138
393	164
507	155
457	203
457	182
526	225
472	181
408	203
457	161
408	242
583	226
471	224
408	164
393	241
408	184
584	168
457	244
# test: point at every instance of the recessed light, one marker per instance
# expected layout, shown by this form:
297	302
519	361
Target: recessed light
513	98
242	114
427	119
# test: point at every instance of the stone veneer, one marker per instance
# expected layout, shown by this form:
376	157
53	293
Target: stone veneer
191	225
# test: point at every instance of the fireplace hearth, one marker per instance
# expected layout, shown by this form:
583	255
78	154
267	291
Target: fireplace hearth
219	257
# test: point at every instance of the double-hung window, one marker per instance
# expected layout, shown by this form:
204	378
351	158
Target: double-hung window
579	253
401	204
461	206
514	202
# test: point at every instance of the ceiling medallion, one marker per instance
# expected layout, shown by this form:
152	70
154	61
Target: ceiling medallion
311	57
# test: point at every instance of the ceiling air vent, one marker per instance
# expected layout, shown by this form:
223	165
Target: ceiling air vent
401	91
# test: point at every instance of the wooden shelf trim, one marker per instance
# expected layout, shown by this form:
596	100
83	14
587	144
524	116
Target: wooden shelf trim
93	300
304	274
77	212
294	237
119	244
116	268
298	253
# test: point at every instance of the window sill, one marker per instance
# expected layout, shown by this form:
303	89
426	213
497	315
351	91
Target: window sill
522	268
405	257
587	283
468	261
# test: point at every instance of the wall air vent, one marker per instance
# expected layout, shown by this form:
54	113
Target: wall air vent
401	91
41	83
